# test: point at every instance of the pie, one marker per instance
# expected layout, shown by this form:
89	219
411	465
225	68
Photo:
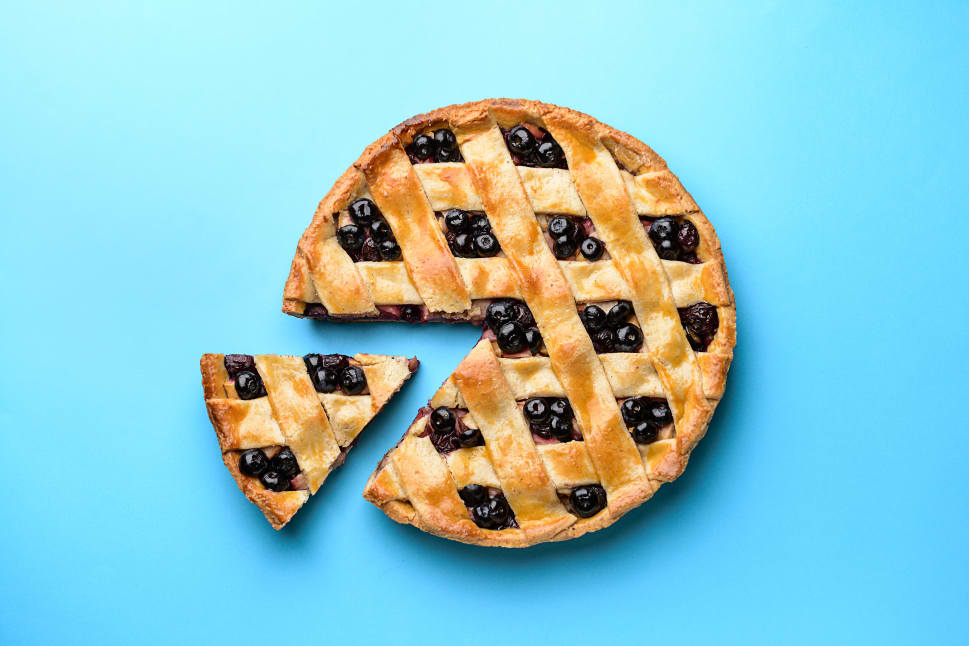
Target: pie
608	321
284	423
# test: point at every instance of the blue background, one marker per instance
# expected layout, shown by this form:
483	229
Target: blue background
157	166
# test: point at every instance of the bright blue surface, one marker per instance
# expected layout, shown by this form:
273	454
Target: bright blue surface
158	165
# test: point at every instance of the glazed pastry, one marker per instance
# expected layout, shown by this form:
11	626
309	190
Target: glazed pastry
284	423
609	323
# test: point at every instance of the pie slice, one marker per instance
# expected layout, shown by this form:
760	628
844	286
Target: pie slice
284	423
609	322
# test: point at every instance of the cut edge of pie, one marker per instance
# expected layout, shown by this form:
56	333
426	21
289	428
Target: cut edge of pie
610	183
264	405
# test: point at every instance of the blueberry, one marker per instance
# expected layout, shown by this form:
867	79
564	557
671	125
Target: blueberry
587	500
659	414
663	229
443	156
236	363
411	313
313	361
511	338
335	361
561	428
351	237
633	411
667	249
687	236
473	494
442	419
549	154
593	318
700	319
491	514
353	380
592	248
470	437
486	245
480	224
629	338
363	211
389	250
562	226
457	221
380	231
369	251
284	463
501	311
463	245
560	407
534	339
520	140
604	340
253	463
535	410
542	429
325	380
645	433
564	247
619	314
249	385
274	481
424	147
445	139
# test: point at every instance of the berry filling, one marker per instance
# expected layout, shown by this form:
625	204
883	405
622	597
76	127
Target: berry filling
570	238
648	418
242	371
530	145
438	146
512	326
673	238
551	420
611	329
448	432
488	507
468	234
701	322
364	233
275	467
332	372
585	501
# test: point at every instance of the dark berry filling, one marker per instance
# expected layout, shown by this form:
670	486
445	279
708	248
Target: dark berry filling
315	311
673	239
448	432
551	419
513	326
330	372
488	506
369	238
701	322
530	145
279	473
242	371
586	501
469	234
438	146
411	313
645	417
611	331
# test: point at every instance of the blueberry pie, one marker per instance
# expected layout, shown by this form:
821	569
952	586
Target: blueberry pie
284	423
608	321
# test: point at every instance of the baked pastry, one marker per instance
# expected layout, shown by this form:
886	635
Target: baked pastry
284	423
609	323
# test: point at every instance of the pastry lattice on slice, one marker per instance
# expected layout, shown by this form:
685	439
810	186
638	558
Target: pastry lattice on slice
609	322
284	423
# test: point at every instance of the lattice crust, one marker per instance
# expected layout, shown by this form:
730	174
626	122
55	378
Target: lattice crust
319	428
614	181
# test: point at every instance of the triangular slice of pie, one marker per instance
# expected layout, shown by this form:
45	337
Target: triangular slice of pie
284	423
